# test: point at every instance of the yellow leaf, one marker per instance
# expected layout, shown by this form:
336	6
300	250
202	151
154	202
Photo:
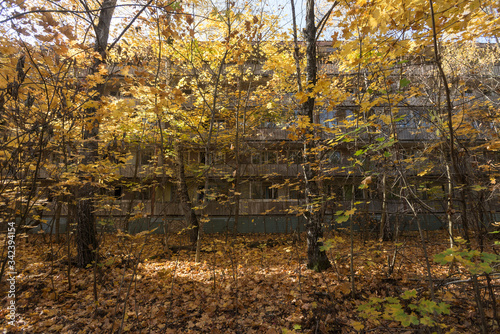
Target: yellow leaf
385	118
449	258
350	212
357	325
124	71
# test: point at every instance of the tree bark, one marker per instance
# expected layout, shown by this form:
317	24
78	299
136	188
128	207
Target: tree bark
187	207
316	258
383	218
86	230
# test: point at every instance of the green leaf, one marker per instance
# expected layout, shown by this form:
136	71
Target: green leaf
489	257
412	319
392	300
427	321
327	244
404	82
443	308
341	219
478	187
175	5
359	152
409	294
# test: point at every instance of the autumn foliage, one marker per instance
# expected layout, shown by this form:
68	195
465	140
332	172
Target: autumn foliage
372	134
250	284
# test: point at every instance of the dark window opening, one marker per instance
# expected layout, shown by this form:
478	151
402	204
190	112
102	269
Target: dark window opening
269	157
256	158
264	190
118	192
146	157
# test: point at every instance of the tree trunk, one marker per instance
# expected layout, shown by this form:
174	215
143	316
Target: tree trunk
86	231
57	219
187	207
86	241
383	218
449	201
316	258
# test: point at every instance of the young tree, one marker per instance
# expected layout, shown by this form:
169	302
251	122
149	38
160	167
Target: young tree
86	223
91	22
316	256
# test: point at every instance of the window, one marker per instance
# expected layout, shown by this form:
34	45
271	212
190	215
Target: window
335	158
195	157
166	193
214	158
146	157
210	194
334	190
344	114
118	191
406	121
245	190
256	190
348	192
295	157
218	158
256	158
327	118
422	191
263	190
269	157
142	194
268	124
295	192
269	192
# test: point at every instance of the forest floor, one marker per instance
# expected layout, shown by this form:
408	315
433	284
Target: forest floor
245	284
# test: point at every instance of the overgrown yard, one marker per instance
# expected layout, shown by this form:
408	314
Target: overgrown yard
248	284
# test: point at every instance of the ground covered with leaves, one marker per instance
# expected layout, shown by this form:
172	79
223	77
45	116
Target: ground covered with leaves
246	284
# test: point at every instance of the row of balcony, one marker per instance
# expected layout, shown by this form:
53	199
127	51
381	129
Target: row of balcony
142	209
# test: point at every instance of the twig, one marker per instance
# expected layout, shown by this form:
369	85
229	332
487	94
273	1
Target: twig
172	289
130	284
